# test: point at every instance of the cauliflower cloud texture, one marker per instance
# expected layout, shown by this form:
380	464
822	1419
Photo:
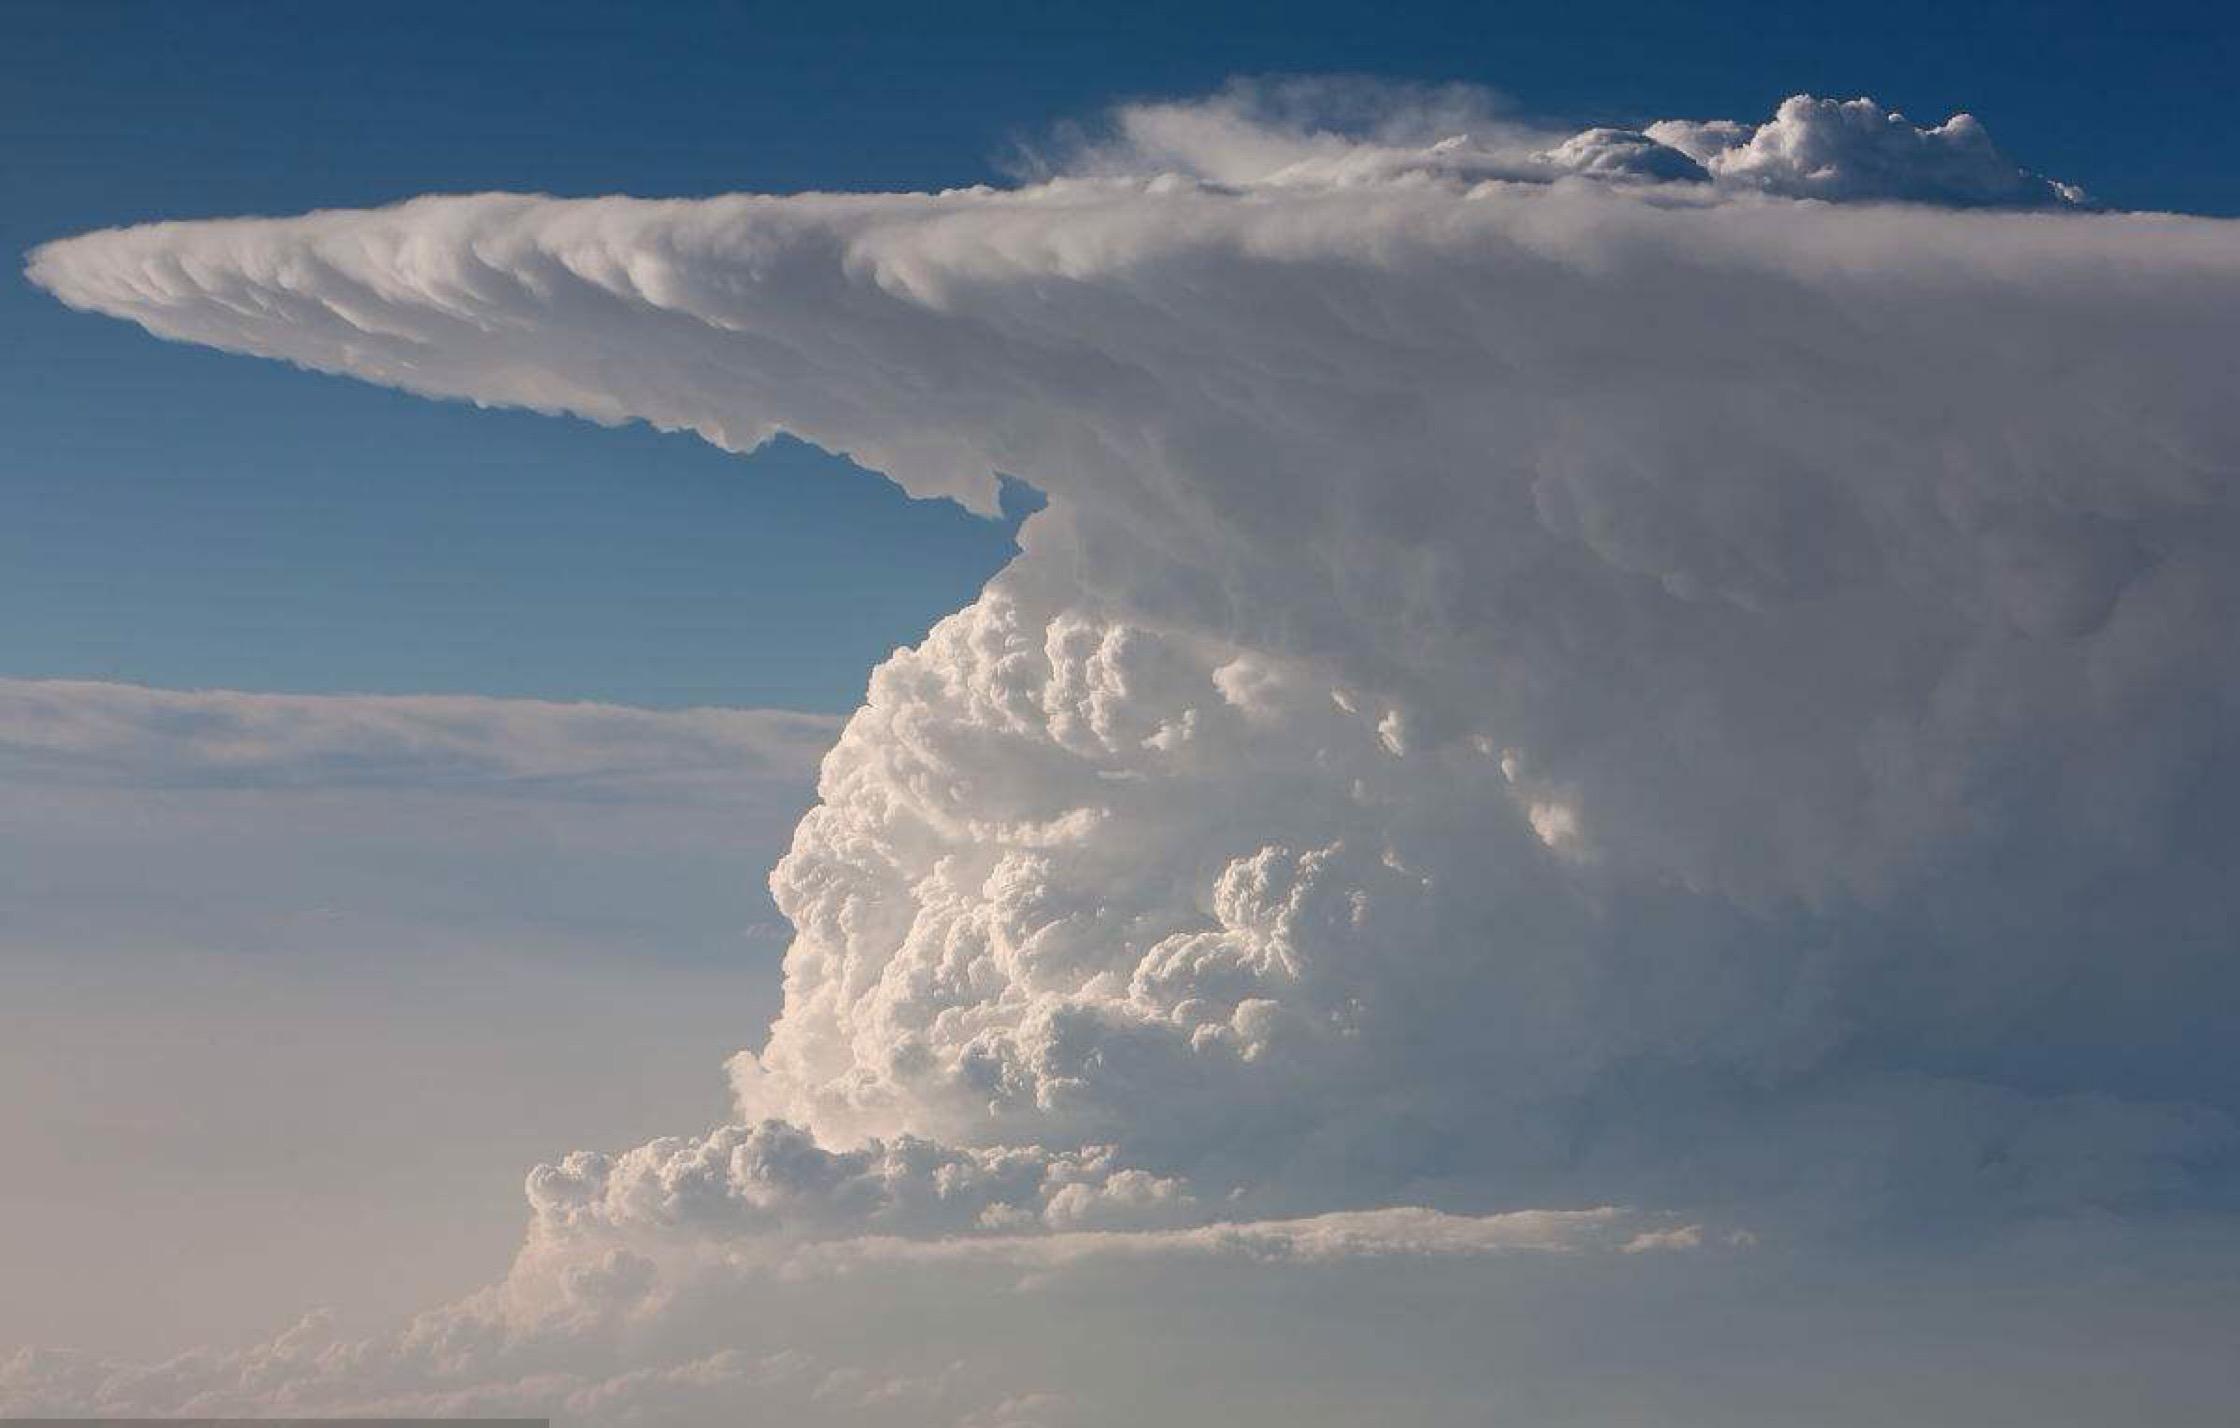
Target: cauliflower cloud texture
1685	667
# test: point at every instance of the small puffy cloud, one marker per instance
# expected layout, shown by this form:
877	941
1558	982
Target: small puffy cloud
1623	154
775	1179
1857	150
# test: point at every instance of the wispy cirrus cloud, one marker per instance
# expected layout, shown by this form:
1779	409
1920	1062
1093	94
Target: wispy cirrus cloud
60	732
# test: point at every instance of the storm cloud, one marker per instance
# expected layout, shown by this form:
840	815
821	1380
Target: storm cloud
1684	668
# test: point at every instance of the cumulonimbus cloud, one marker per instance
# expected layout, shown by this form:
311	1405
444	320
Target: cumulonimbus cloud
1649	667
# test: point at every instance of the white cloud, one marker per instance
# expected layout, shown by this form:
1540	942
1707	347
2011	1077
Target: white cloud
1311	133
1856	149
1341	1235
773	1178
1544	679
85	733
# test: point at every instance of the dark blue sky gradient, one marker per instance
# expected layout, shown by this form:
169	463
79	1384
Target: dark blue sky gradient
180	517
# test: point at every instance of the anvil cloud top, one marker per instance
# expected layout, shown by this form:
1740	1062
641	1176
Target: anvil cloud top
1683	668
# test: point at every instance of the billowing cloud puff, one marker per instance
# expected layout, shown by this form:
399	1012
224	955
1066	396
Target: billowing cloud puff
776	1177
1622	153
1555	671
1291	134
1856	149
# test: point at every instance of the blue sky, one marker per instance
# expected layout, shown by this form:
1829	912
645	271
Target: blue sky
183	518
